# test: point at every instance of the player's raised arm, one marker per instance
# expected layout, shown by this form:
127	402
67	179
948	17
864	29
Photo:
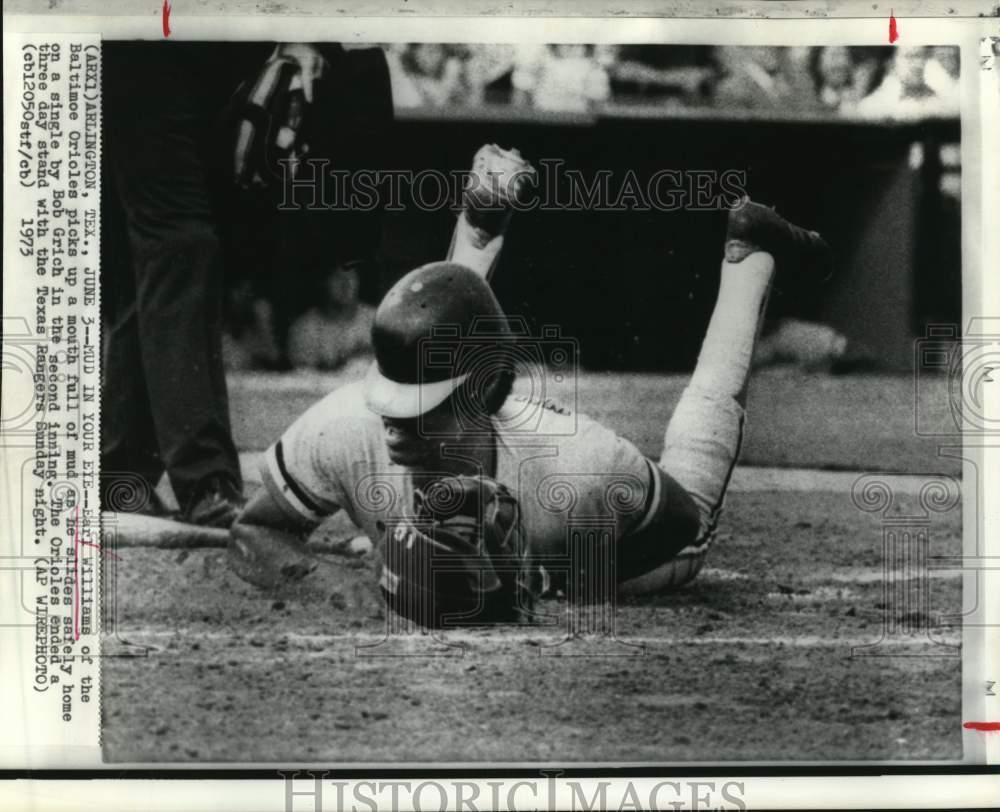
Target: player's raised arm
500	180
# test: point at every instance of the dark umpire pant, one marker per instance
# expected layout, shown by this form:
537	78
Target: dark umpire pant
164	400
167	199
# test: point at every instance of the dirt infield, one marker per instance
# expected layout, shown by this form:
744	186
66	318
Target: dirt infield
753	661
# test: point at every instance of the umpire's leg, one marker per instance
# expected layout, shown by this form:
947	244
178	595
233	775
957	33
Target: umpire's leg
130	455
160	122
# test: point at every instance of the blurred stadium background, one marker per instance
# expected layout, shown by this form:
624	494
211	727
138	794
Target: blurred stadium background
861	144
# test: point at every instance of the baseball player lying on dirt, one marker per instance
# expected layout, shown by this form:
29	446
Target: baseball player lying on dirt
474	515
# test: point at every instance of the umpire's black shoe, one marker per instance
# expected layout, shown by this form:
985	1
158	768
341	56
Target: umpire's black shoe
130	494
753	227
216	503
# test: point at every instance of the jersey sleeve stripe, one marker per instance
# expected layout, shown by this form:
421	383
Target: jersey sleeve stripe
300	492
287	492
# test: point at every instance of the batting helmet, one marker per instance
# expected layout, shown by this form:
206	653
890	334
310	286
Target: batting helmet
437	327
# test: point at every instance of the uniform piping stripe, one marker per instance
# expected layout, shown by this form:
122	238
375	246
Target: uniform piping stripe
729	475
281	485
732	465
303	497
653	501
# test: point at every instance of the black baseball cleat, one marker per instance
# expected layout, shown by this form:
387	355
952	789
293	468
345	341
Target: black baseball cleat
128	494
216	503
753	227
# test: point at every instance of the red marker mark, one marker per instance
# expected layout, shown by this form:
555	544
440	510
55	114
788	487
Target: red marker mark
893	30
99	547
76	573
166	19
983	727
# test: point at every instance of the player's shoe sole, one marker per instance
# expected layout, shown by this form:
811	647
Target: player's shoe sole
798	253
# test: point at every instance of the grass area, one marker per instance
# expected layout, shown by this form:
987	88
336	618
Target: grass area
856	422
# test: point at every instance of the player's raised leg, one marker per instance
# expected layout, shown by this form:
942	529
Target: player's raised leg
703	439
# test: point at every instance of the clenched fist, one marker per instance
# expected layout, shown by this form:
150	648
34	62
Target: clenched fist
500	182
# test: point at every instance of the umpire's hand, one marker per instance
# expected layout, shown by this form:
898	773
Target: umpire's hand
312	64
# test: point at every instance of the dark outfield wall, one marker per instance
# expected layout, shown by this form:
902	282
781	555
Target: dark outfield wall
636	287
